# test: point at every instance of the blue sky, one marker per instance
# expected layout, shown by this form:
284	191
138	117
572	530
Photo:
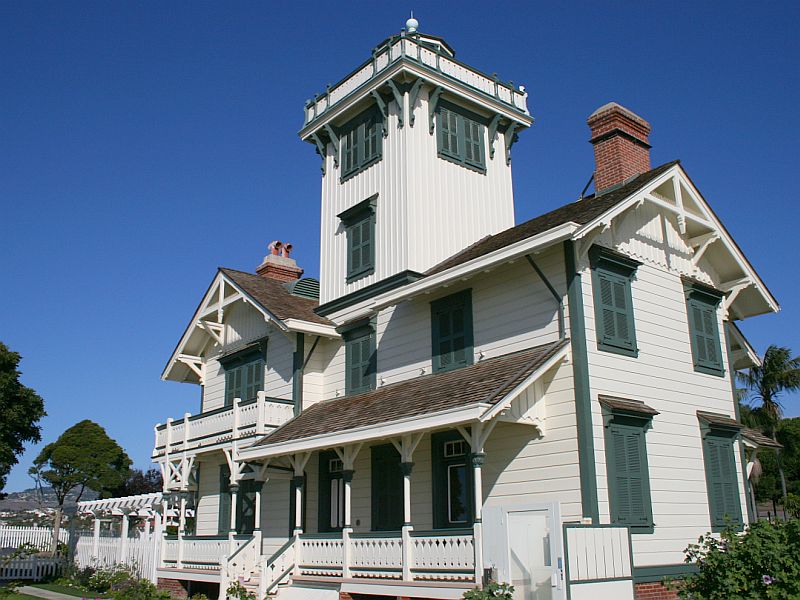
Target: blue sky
144	144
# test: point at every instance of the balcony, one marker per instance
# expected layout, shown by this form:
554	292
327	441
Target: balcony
430	60
245	419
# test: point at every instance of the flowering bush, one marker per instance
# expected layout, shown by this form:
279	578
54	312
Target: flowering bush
239	592
111	578
504	591
762	562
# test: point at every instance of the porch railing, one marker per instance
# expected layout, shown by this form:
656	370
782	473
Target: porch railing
441	556
243	419
194	552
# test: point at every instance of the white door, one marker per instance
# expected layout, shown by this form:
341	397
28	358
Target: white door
530	561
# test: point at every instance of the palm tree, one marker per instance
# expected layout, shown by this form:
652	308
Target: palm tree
778	372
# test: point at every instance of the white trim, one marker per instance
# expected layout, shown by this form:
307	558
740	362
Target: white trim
408	425
407	589
298	325
508	398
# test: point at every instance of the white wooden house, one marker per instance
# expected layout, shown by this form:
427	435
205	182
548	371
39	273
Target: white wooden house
461	398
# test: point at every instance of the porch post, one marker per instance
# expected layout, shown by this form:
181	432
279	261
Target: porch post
407	467
158	545
478	459
123	546
181	529
162	531
234	488
298	462
257	521
347	529
96	537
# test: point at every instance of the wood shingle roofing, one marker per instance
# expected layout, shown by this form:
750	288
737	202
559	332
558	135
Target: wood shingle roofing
485	382
273	295
580	212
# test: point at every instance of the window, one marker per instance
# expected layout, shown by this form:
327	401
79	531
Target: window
613	305
246	506
460	137
224	517
452	481
244	373
359	222
362	140
721	479
626	423
331	492
360	359
701	308
387	489
451	331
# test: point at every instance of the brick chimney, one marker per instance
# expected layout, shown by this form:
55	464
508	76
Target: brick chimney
621	151
277	264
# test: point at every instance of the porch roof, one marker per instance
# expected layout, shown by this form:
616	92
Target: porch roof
485	383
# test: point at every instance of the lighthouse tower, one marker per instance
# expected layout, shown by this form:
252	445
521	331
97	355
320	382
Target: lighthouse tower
416	163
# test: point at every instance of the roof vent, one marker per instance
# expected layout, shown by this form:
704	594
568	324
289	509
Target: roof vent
307	287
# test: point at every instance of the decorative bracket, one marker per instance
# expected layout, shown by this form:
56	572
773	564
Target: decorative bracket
433	101
335	142
492	132
320	150
195	363
412	99
213	329
398	97
510	137
381	103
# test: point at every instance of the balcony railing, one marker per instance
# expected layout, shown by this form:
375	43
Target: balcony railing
409	48
201	553
243	419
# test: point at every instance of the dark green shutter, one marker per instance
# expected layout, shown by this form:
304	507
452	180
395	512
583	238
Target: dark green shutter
629	489
723	484
451	331
473	143
360	362
387	489
703	328
448	132
224	521
613	310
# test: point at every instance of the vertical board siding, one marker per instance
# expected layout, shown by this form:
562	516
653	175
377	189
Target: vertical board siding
428	208
663	377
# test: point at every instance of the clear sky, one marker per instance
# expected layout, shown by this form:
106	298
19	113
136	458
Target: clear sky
143	144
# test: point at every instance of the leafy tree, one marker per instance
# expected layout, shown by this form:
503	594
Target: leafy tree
139	482
778	372
20	410
82	457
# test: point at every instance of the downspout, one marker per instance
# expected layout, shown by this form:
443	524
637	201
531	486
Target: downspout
562	333
300	361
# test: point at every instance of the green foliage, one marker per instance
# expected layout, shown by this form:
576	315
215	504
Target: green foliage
110	579
83	456
20	411
139	589
139	482
504	591
763	562
199	597
239	592
792	505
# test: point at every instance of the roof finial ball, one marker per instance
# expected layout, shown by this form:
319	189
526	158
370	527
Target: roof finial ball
412	24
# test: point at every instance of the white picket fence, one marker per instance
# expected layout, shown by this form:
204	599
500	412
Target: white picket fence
29	569
41	537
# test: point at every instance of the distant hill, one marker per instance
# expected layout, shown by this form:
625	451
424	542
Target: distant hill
31	499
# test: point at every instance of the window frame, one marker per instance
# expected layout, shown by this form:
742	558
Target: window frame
704	299
224	506
364	331
464	120
363	214
238	365
607	265
724	439
441	491
247	488
326	476
440	307
354	136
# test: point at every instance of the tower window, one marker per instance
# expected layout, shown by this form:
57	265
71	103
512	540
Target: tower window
359	222
460	137
361	141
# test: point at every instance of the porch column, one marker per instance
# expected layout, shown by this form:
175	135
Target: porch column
123	545
234	489
181	529
347	529
407	468
257	521
162	530
298	462
96	537
478	459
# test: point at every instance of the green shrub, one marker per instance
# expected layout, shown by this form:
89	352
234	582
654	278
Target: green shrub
109	579
761	562
139	589
199	597
239	592
504	591
792	505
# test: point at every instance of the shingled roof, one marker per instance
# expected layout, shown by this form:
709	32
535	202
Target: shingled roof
758	438
273	295
580	212
485	382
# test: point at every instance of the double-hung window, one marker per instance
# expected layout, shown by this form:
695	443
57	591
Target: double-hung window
460	136
626	423
244	374
612	274
451	331
452	481
701	308
360	358
721	479
361	142
359	224
331	492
